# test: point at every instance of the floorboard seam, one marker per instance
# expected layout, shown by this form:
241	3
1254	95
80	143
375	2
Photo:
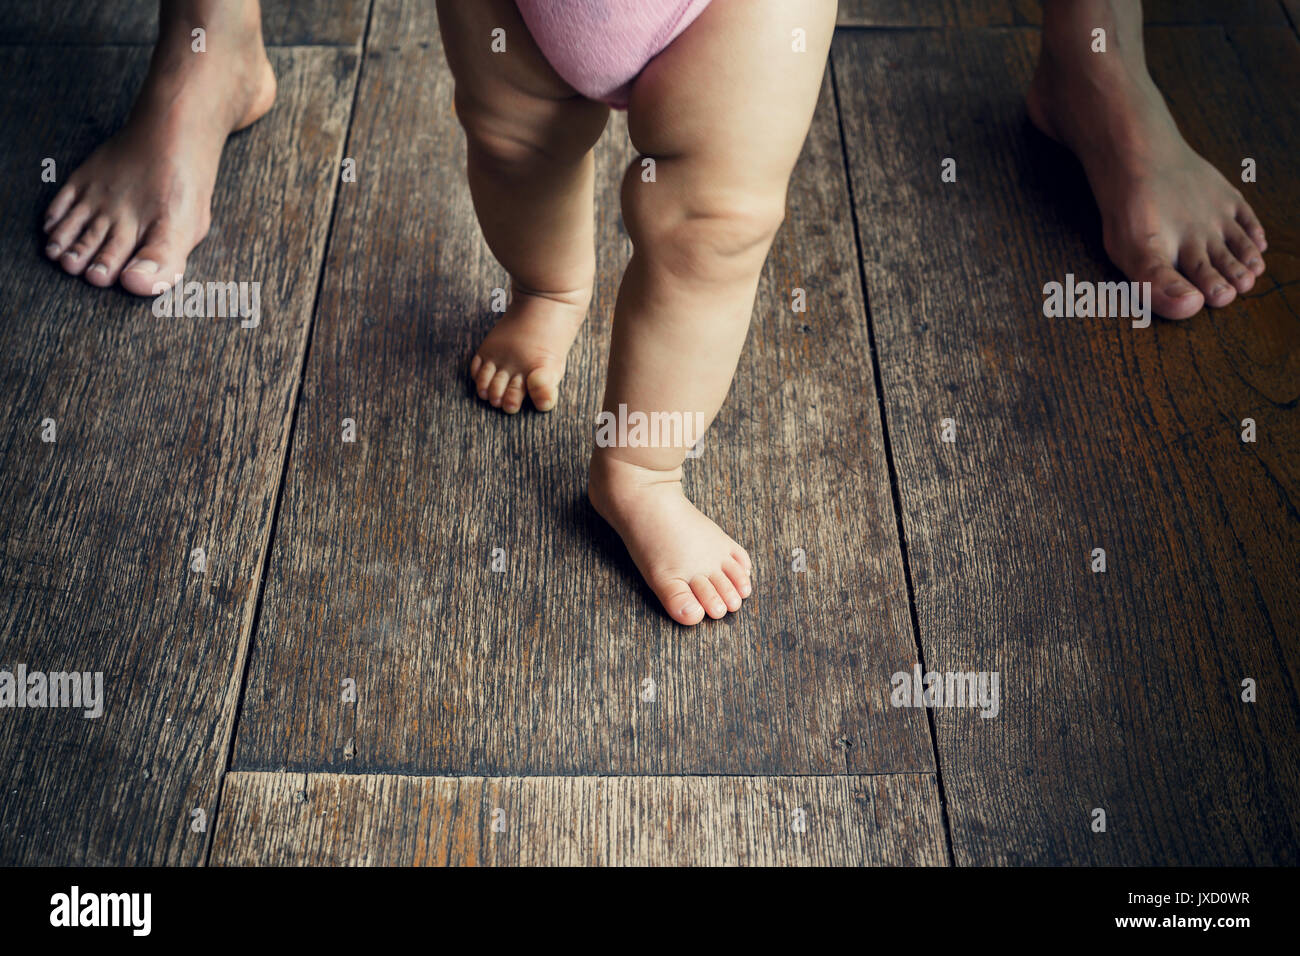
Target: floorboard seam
288	447
1286	12
889	454
576	776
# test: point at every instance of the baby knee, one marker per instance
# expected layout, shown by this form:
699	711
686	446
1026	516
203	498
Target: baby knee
712	235
715	246
491	137
549	131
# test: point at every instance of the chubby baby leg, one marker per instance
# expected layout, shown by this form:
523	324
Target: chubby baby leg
723	113
531	174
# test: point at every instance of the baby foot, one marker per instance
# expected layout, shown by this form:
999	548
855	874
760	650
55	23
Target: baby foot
142	201
1168	216
527	349
689	562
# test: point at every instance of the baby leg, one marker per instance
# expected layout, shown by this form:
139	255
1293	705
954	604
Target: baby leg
532	177
723	113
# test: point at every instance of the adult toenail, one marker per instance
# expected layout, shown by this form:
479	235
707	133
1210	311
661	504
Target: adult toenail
73	254
1217	289
691	609
100	268
1178	290
52	249
142	265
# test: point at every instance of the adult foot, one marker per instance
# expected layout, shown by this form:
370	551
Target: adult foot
690	563
142	201
526	351
1168	216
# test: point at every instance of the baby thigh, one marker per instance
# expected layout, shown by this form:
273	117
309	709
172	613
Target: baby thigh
728	104
529	137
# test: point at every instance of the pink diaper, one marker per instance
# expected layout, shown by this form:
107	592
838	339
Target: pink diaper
599	46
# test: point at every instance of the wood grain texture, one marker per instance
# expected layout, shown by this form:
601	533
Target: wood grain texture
381	568
395	23
1293	13
282	819
1014	13
284	22
938	13
170	436
1120	690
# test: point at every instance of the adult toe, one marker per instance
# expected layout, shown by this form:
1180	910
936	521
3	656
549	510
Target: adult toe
107	263
1194	261
77	256
157	263
1172	295
1248	221
68	228
1230	267
1244	248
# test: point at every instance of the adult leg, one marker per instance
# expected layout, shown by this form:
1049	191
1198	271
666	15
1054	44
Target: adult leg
1169	217
143	199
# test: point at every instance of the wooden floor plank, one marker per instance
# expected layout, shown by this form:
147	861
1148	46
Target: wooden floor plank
283	819
1121	691
284	22
170	436
1013	13
1293	13
403	23
381	572
938	13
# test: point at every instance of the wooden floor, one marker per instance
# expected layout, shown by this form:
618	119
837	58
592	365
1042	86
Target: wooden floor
350	682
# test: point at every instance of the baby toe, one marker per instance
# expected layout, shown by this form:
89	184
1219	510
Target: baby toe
486	370
739	576
707	595
513	399
679	601
726	590
543	388
497	388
